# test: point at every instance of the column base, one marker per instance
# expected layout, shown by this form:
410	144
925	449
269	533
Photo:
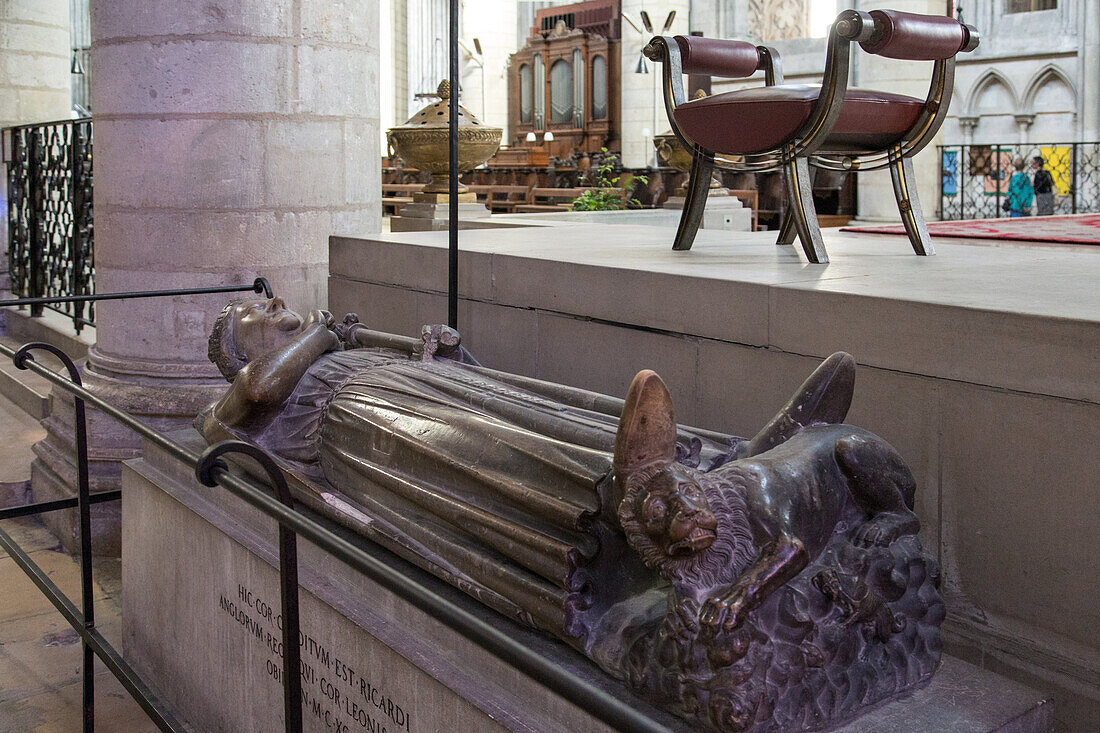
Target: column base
163	396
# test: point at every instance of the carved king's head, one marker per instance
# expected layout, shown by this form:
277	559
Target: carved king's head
250	327
690	527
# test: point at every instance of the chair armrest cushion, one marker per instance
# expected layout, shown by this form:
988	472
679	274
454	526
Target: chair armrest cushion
899	35
717	57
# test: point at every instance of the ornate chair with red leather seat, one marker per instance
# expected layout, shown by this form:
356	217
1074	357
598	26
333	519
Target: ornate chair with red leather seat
795	126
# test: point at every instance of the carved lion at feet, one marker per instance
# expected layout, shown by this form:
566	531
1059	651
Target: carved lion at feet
738	533
690	527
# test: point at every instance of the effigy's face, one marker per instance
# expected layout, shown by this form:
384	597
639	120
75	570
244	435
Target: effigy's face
675	514
262	325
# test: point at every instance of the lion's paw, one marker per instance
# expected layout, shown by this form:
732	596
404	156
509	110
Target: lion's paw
882	529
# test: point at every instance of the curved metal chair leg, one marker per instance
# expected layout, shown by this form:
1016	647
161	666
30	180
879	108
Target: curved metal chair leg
796	177
787	231
905	192
702	167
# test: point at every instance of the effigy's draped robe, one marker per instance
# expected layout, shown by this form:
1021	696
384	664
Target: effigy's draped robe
489	480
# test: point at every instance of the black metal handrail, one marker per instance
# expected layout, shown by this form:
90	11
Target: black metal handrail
974	177
259	285
614	712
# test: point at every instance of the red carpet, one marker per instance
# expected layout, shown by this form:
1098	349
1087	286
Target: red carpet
1076	229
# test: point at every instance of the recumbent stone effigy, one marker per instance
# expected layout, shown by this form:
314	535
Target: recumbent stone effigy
765	584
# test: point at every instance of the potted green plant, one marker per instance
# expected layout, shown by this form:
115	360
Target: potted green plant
606	194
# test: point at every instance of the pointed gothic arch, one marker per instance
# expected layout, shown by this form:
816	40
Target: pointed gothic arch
1044	76
988	80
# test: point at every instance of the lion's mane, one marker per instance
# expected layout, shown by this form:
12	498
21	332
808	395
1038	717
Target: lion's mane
719	565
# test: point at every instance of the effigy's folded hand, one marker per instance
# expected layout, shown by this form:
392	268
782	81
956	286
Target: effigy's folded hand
439	340
318	317
346	331
321	320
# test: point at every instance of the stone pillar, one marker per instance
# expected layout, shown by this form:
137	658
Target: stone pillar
875	192
1089	85
968	123
34	78
484	85
232	138
1023	124
642	103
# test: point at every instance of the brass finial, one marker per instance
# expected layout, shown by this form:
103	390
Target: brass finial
444	89
699	94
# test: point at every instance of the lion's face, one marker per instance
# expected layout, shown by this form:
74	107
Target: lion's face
690	527
675	514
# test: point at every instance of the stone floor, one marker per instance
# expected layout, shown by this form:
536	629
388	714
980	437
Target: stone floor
40	657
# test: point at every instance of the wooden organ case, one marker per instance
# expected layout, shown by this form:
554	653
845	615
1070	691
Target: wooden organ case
566	80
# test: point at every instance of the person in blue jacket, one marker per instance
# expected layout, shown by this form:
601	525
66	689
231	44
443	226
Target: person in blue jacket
1020	192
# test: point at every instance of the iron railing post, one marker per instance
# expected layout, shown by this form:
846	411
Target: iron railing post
288	570
80	231
87	607
36	228
1073	178
939	206
995	163
964	179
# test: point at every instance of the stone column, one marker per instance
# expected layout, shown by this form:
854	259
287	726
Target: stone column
1023	124
232	138
34	78
1089	85
642	103
484	86
968	123
875	192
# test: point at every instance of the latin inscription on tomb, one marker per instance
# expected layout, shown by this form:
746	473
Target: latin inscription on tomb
334	692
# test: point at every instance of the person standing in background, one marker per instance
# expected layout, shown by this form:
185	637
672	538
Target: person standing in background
1019	191
1043	186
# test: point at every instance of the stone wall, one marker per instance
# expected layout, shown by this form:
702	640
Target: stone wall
34	61
34	78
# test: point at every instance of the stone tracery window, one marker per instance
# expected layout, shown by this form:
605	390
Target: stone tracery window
1027	6
775	20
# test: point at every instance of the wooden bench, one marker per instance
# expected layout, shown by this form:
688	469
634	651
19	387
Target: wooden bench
482	191
396	195
500	198
548	200
506	199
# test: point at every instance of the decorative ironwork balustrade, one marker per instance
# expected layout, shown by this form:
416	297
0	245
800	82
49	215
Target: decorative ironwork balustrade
974	179
50	228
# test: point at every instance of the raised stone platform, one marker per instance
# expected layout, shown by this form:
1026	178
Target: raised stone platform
978	364
200	612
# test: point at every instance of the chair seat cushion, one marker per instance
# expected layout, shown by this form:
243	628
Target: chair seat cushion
764	118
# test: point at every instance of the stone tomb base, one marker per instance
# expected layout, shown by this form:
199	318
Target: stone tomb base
201	609
722	211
